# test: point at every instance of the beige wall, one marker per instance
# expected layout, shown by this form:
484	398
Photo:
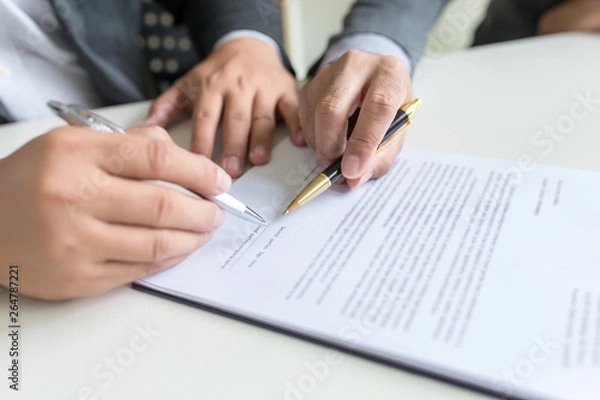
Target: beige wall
314	21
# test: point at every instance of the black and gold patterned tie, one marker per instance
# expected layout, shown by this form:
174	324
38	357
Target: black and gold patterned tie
168	47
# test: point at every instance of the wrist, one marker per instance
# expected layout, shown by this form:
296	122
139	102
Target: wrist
373	43
255	47
249	34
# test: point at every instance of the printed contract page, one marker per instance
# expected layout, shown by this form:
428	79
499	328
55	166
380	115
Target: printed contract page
478	270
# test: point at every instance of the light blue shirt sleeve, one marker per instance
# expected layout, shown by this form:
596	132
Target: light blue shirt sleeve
245	33
368	43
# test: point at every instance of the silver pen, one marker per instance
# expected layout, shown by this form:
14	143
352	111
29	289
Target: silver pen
79	116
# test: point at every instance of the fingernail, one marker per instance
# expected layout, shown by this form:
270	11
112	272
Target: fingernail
300	139
208	236
233	164
223	180
351	167
260	152
219	219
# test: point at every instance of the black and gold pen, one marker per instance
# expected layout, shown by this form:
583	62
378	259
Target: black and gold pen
333	173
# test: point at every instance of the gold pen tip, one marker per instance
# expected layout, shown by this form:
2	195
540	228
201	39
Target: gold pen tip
411	108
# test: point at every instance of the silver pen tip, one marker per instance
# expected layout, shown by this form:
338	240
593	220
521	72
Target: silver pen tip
255	216
286	212
56	106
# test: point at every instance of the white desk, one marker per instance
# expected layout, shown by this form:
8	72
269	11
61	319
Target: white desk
490	101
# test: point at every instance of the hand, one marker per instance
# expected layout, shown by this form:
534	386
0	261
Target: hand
244	84
571	15
78	221
380	86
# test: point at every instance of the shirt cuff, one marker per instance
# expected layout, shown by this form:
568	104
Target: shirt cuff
368	43
247	33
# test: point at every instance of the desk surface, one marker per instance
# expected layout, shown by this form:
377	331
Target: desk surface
498	101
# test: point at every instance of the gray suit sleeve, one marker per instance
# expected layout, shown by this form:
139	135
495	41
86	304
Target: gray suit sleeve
407	22
210	20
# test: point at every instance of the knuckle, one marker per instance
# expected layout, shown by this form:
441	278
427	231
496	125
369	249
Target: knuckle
164	207
160	246
264	119
50	190
392	64
352	56
238	116
206	114
329	107
241	82
383	103
211	81
64	247
159	157
189	87
367	140
62	140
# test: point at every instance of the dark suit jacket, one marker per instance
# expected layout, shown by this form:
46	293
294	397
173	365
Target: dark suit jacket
104	32
408	22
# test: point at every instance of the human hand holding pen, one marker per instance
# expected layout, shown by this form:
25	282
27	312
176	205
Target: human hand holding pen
79	116
377	84
81	220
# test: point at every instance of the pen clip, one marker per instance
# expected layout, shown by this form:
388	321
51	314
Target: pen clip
393	136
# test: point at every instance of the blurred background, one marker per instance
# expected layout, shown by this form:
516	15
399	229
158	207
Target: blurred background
310	23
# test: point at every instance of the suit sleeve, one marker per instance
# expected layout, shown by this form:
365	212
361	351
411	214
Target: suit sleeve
210	20
406	22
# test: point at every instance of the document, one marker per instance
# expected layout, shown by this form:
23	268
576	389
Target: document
481	271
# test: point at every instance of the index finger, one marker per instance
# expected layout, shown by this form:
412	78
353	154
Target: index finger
139	157
384	97
173	103
331	115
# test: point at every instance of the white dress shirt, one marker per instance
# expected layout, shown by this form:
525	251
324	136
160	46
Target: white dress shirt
36	65
368	43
